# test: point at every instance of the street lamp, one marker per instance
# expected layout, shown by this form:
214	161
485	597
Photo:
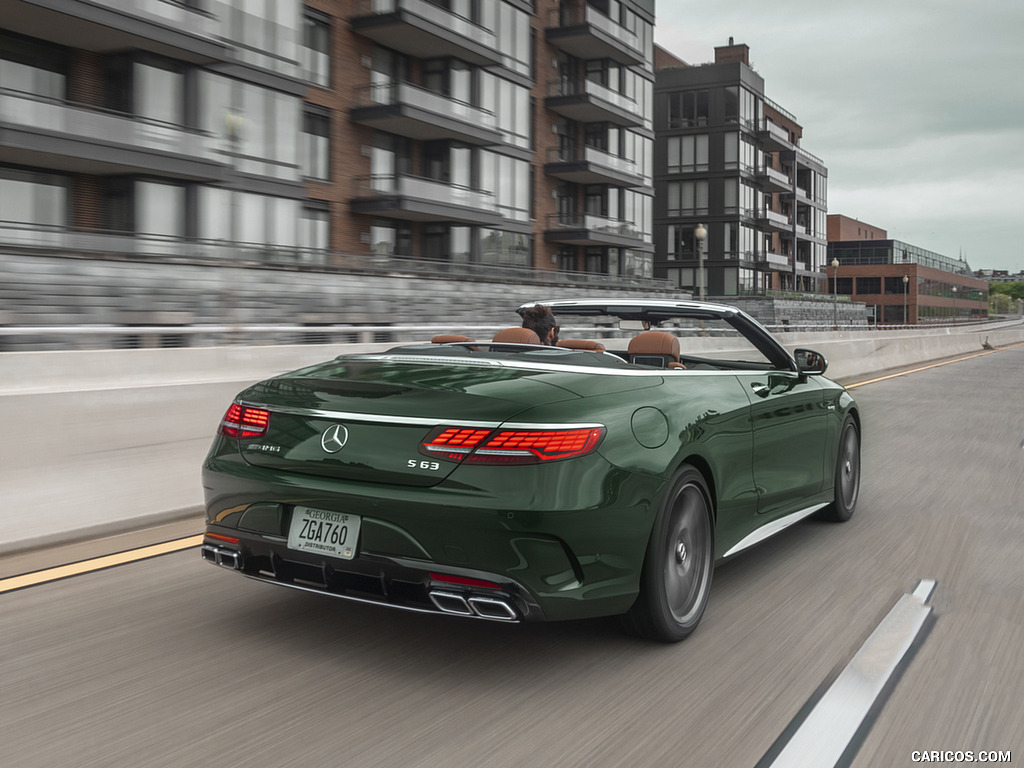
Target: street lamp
835	294
701	233
906	280
955	318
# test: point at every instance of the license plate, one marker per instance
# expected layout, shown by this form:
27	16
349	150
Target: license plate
324	532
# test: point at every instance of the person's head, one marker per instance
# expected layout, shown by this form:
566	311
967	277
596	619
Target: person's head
539	319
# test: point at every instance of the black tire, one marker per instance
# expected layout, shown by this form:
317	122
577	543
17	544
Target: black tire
679	563
847	477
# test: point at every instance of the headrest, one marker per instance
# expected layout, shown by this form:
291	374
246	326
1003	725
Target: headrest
449	338
654	343
584	344
516	336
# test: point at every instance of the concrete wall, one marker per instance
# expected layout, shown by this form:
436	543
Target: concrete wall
98	441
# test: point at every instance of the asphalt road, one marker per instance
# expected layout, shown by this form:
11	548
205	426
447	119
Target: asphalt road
171	662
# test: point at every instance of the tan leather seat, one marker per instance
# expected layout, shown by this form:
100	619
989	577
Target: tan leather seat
582	344
450	338
516	336
656	348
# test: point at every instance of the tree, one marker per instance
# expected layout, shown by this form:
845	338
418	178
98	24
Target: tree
1013	290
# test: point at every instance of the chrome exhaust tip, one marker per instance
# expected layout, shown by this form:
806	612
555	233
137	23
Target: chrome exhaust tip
448	602
492	608
222	556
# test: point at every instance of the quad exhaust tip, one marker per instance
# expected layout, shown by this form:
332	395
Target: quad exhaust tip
480	607
222	556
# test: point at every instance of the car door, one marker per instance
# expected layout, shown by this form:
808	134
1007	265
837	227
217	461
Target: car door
788	419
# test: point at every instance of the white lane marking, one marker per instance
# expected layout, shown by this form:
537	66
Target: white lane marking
823	737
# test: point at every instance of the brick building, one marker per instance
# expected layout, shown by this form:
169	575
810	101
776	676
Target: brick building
488	133
902	283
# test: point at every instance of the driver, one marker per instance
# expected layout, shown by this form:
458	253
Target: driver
541	321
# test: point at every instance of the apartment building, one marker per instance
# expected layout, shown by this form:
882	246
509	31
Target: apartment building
503	133
731	168
150	128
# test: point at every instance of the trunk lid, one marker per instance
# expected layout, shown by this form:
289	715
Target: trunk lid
364	419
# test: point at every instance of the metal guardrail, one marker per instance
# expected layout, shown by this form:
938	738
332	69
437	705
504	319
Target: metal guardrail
398	333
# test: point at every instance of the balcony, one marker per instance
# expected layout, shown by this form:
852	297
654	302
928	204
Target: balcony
772	220
773	137
426	31
590	229
164	26
589	165
413	198
586	33
58	135
587	101
773	180
772	259
408	110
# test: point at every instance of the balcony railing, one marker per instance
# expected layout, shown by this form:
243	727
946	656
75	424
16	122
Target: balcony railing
776	177
587	32
585	87
436	14
420	188
594	156
777	132
594	223
168	13
385	94
54	116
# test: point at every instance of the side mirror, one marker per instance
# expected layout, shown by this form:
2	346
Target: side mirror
809	361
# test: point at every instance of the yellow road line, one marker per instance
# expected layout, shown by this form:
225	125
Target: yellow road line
98	563
933	365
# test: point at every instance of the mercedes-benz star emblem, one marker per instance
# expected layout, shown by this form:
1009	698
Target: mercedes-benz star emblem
334	438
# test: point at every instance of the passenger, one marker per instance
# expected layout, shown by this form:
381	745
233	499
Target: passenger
541	321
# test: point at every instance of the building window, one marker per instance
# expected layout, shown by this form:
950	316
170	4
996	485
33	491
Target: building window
159	209
316	49
687	198
390	238
315	143
688	109
159	93
33	198
314	231
687	154
33	66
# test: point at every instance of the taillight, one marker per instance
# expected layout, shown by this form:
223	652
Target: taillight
244	422
452	443
510	446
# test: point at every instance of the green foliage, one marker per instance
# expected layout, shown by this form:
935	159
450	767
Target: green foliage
1013	290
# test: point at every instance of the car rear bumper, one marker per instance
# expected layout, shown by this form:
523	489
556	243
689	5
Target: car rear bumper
374	579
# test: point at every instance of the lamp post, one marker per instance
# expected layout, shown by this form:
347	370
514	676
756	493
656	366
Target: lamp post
701	233
955	318
906	281
835	294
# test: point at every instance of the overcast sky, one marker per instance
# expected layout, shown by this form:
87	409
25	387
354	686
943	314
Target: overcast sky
916	108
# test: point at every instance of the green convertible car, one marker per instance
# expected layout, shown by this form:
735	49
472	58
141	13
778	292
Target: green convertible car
511	481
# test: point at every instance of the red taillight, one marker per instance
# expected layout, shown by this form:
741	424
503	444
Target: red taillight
219	537
452	443
464	581
244	422
510	446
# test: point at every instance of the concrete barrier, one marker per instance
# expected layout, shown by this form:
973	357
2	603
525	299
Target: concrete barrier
96	442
